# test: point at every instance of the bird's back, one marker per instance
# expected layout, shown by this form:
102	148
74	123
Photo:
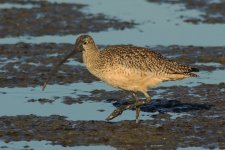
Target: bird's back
144	59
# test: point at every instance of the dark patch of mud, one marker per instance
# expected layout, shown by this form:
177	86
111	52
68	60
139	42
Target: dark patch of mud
213	12
47	18
25	65
98	96
202	126
29	64
155	134
41	100
195	54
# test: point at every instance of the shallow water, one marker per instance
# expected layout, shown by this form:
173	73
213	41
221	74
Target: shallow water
192	148
41	145
12	6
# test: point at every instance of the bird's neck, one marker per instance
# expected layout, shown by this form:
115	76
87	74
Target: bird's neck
91	57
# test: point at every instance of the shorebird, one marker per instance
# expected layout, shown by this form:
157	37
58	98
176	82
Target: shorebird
131	68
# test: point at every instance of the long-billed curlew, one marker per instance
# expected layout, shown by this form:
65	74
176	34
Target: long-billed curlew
127	67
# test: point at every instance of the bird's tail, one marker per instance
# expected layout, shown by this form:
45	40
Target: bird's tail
183	71
189	72
193	74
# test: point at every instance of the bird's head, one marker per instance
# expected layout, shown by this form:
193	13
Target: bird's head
83	43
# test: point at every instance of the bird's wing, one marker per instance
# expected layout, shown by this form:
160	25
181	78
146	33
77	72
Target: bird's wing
144	59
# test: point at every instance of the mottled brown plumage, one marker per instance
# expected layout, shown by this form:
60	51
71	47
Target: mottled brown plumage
131	68
128	67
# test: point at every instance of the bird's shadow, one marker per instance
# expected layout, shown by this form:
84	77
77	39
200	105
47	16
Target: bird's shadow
163	106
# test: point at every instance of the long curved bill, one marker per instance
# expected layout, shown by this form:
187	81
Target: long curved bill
55	69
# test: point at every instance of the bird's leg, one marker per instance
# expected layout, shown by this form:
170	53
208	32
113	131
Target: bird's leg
148	98
136	107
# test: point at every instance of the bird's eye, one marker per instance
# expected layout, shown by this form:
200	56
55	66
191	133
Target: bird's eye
85	43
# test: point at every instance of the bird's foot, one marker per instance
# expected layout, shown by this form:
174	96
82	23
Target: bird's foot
116	113
120	110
